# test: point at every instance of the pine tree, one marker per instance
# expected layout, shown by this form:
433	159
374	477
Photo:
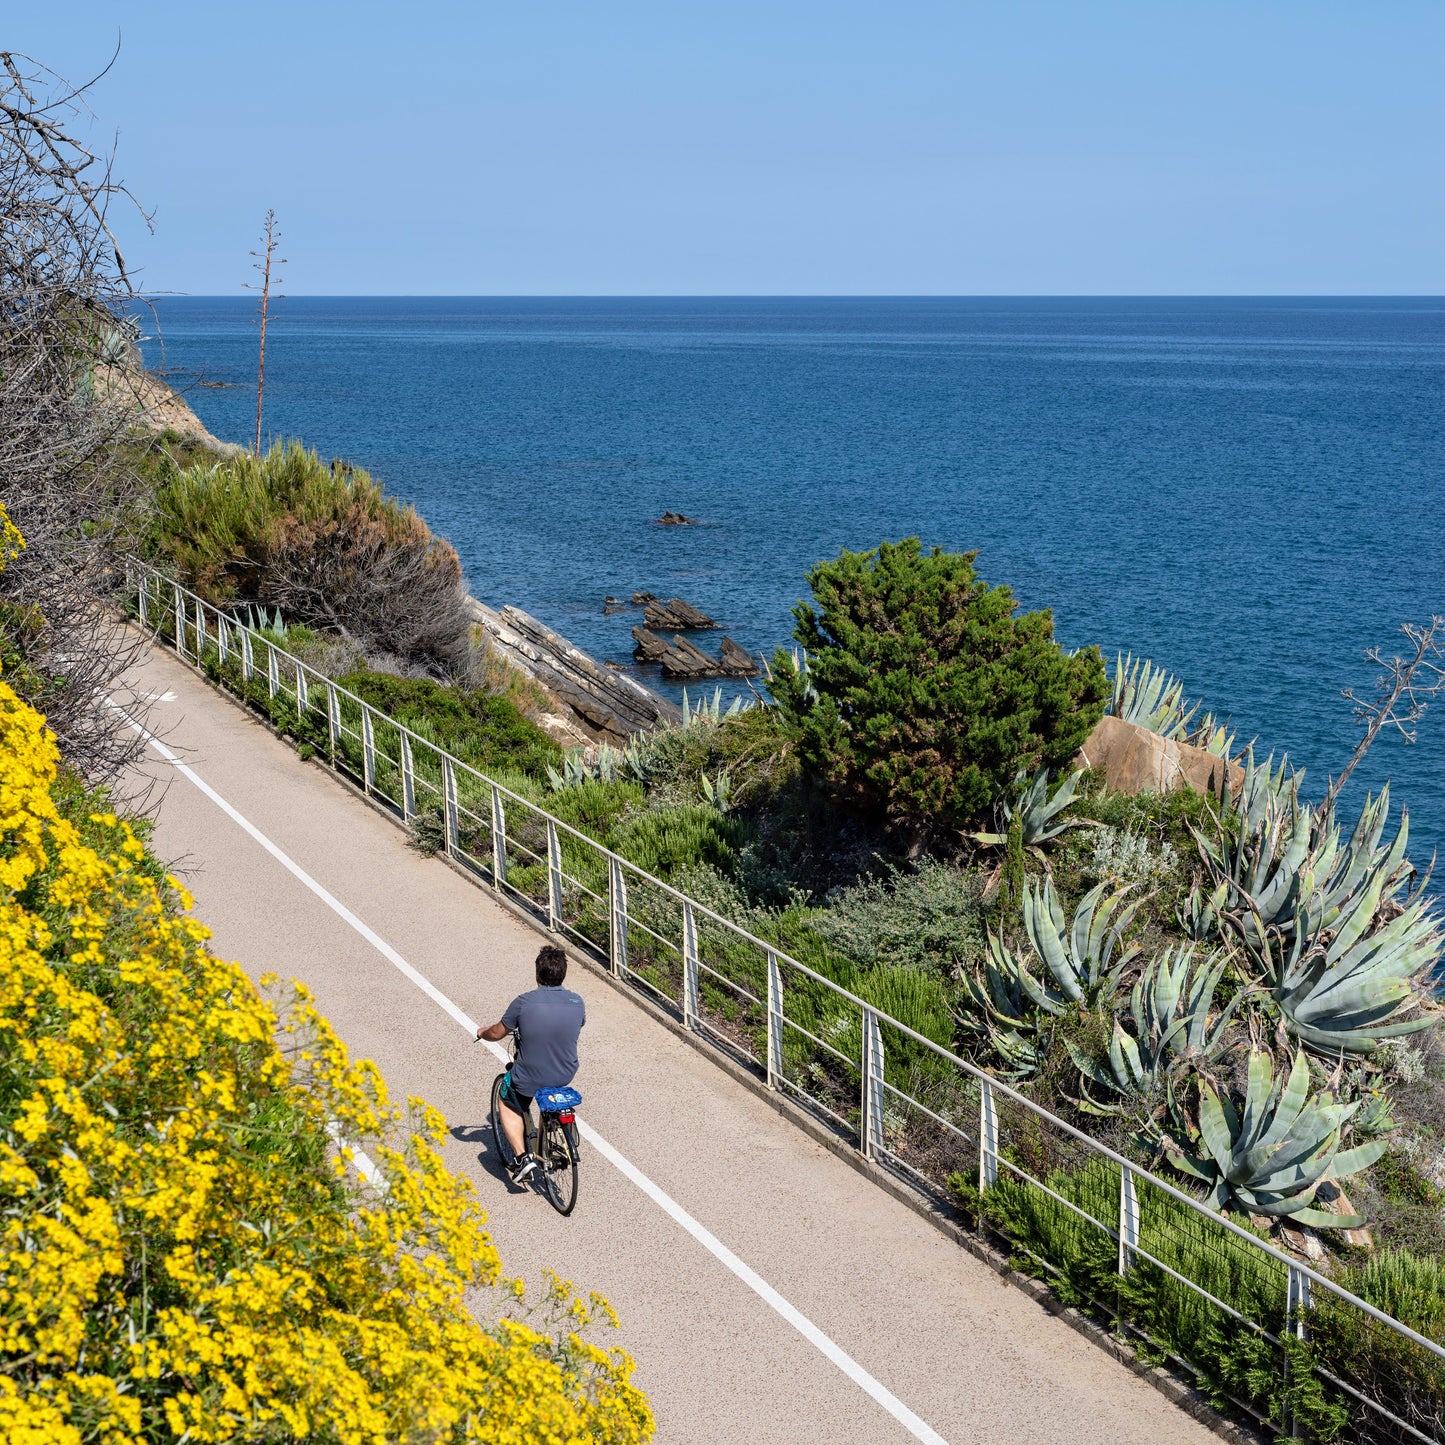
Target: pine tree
922	692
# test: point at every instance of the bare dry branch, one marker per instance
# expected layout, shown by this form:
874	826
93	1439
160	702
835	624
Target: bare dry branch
1403	692
65	304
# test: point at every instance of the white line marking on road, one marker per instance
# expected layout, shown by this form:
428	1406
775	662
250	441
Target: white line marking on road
918	1428
359	1157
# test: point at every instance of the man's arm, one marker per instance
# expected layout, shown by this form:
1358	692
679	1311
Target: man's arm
497	1031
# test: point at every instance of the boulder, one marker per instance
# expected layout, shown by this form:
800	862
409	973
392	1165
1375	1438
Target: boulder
676	519
1135	760
641	599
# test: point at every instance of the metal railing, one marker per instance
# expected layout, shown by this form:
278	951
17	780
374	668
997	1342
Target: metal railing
1109	1234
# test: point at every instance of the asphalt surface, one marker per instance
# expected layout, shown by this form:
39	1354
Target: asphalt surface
769	1292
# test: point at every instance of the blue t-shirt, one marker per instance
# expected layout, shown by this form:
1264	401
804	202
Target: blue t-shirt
549	1020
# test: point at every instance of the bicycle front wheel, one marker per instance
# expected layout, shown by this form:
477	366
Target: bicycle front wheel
499	1135
559	1165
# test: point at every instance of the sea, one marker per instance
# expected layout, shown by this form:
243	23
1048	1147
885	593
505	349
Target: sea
1249	491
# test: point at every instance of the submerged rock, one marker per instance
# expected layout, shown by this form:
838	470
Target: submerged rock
676	519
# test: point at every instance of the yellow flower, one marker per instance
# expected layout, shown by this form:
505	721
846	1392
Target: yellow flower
183	1247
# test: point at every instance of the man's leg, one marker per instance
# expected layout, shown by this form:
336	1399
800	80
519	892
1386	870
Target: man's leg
514	1128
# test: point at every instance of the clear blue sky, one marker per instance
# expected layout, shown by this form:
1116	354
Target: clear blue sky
792	146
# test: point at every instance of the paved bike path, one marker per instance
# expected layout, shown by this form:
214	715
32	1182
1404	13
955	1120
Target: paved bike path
959	1353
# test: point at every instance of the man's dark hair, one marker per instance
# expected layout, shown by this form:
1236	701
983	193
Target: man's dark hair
551	966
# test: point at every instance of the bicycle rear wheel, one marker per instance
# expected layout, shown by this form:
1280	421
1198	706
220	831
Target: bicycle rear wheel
499	1135
559	1164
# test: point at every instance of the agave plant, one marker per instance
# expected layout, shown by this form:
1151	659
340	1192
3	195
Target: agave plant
709	711
1080	956
1286	865
1201	915
1150	697
1344	992
718	790
1272	1156
1005	1012
1318	914
259	620
1170	1007
1038	812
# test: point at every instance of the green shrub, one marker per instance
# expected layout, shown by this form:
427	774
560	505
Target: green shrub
477	727
323	543
923	694
914	998
1380	1362
927	917
1166	1320
665	841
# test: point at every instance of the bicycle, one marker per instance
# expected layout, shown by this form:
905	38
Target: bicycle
554	1141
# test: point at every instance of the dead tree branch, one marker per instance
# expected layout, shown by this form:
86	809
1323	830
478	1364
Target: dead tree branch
1403	692
66	304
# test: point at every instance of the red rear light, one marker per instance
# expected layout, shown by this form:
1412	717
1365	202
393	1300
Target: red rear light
568	1118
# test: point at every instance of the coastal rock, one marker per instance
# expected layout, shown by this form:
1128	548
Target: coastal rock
737	662
675	615
601	704
684	660
153	404
1135	760
676	519
641	599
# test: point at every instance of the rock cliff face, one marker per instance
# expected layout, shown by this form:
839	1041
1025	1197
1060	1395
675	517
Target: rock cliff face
1135	760
156	406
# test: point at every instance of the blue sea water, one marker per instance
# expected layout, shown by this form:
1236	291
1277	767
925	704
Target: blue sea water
1249	491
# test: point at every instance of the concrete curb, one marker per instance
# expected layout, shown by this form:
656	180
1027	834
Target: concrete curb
1179	1393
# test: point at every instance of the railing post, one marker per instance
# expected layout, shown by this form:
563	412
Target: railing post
368	749
142	597
691	1013
775	1021
303	693
408	780
1297	1305
449	805
1299	1302
248	657
200	630
987	1137
223	638
870	1125
178	607
273	671
554	878
499	839
333	716
616	918
1128	1219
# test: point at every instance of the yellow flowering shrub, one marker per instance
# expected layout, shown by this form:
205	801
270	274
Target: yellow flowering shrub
186	1249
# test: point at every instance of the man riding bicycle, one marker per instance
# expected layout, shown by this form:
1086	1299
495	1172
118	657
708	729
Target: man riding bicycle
547	1021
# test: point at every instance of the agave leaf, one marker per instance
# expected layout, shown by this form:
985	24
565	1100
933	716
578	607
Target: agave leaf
1352	1161
1324	1219
1214	1128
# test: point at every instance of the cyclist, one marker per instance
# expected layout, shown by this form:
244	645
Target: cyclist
547	1021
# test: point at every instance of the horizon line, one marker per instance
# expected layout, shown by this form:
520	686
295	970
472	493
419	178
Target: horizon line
809	296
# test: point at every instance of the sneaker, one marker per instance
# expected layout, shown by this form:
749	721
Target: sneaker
522	1167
